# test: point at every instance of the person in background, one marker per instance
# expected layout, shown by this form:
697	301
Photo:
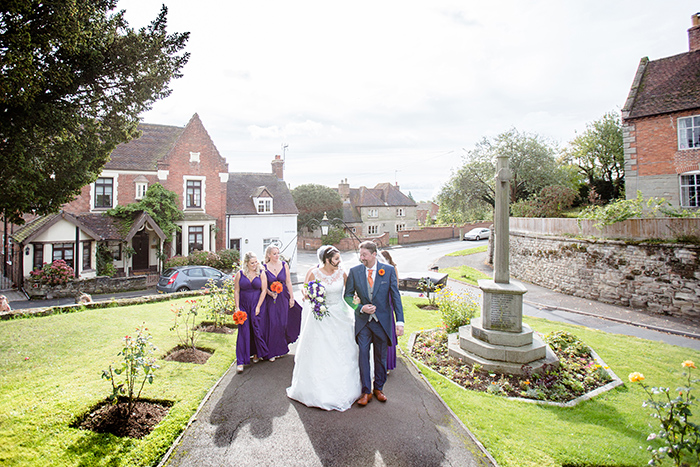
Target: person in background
250	284
279	299
391	348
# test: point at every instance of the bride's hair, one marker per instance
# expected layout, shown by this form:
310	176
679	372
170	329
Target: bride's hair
326	252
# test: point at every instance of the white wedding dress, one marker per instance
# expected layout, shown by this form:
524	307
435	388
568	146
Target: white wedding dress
326	372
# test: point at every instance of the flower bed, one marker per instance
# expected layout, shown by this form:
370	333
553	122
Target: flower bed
580	375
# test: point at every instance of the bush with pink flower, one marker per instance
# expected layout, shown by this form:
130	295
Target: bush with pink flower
56	273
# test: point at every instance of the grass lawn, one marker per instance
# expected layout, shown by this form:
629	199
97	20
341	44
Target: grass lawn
469	251
465	274
609	430
50	374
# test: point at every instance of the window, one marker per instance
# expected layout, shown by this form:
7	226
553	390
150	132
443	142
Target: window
400	212
271	241
194	193
264	205
400	227
372	229
690	190
141	189
38	255
103	192
234	244
87	255
689	132
195	238
373	213
63	251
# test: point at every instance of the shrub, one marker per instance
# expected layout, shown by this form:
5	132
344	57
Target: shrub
457	309
680	437
220	301
176	261
203	258
56	273
104	260
186	317
138	365
229	260
428	287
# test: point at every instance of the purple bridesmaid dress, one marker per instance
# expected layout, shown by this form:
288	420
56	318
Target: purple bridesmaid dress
250	334
275	328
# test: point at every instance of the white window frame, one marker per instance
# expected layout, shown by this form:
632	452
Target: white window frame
372	230
400	227
689	132
690	189
141	189
373	213
400	212
271	241
263	205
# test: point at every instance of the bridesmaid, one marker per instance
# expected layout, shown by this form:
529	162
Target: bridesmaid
249	292
277	304
391	348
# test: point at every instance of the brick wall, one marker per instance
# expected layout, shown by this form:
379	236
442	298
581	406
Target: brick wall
346	244
662	278
428	234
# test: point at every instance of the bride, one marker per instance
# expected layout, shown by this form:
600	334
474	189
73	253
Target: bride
326	371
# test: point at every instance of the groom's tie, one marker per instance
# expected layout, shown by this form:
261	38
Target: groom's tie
370	282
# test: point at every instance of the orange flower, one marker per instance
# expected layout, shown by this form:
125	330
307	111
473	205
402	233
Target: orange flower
276	287
239	317
688	364
381	272
635	377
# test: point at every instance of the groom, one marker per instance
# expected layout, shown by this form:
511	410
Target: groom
377	287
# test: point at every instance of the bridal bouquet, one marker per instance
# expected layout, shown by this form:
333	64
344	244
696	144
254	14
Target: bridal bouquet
277	288
317	294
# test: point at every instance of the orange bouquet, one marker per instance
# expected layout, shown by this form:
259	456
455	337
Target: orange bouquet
277	288
239	317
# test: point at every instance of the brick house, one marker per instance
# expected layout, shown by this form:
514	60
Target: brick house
661	127
371	212
427	211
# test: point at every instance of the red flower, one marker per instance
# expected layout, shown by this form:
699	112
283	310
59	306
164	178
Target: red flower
239	317
381	272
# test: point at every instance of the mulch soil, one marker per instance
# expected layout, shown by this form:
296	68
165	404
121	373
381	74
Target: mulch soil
111	418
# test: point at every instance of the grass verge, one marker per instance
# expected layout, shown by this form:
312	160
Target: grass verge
469	251
465	274
50	374
609	430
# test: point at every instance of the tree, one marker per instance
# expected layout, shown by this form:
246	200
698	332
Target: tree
73	80
313	200
471	190
599	155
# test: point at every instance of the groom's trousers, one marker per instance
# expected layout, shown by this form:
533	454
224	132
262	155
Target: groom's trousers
372	333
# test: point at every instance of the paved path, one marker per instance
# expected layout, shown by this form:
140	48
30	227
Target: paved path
249	421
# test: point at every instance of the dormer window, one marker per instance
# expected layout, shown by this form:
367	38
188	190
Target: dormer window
264	205
140	187
262	199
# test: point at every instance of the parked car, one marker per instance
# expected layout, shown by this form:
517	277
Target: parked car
410	280
477	234
182	278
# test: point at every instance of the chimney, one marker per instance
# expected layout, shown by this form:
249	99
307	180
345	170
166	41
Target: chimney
344	190
694	33
278	167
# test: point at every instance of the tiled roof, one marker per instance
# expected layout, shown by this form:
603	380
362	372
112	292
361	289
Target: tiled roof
105	226
666	85
350	214
35	226
384	194
242	186
143	153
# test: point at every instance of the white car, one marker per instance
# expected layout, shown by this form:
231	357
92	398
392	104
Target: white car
477	234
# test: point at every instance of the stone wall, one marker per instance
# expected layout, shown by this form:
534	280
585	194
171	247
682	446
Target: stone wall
98	285
662	278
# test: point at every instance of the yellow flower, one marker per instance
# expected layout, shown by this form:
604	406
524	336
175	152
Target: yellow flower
688	364
636	377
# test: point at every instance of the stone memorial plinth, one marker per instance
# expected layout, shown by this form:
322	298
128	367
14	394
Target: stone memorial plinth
498	341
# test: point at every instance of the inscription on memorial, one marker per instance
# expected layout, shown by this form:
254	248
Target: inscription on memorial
504	316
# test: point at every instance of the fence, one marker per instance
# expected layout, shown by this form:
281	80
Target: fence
664	228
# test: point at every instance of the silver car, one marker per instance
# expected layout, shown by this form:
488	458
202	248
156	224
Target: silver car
477	234
183	278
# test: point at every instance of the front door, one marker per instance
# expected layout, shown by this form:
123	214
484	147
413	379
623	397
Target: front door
140	244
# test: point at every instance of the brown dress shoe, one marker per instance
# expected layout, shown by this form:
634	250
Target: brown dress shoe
364	400
379	395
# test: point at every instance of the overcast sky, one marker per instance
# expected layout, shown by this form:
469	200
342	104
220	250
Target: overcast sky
394	91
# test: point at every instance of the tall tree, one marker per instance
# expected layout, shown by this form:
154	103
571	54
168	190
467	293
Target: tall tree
599	155
74	77
314	200
471	190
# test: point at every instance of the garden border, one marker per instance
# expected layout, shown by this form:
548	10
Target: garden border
616	381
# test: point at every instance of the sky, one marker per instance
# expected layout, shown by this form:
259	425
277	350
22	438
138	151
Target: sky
399	90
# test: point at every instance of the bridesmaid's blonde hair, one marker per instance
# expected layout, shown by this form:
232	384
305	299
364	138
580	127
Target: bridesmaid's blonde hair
268	251
246	259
